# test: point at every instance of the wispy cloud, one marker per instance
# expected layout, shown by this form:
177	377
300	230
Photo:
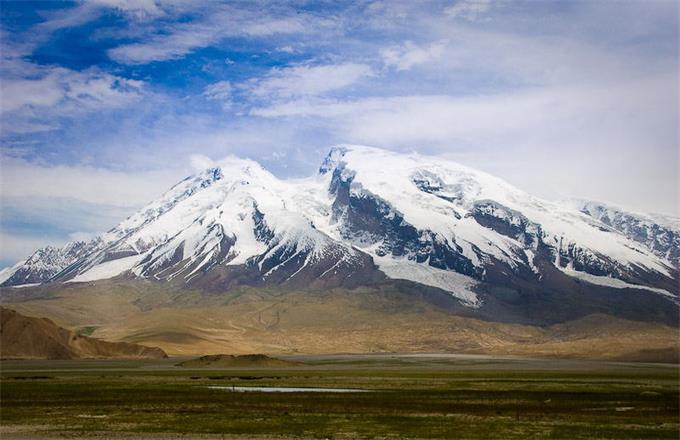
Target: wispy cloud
24	179
173	41
306	80
470	10
409	54
551	128
137	9
220	91
73	91
37	102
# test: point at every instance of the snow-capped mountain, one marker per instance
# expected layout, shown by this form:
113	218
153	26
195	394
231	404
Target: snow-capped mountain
45	263
656	232
370	216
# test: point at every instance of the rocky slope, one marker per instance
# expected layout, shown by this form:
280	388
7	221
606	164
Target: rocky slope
659	234
24	337
45	263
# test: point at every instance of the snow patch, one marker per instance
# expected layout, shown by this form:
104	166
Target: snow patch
7	272
107	270
530	257
612	282
457	284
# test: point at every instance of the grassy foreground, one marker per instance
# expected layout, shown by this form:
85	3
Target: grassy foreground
411	397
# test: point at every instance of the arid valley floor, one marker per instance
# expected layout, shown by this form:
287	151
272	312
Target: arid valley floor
272	321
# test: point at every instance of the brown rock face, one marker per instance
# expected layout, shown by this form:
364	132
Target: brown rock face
24	337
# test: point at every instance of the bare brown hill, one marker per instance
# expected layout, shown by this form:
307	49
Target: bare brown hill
247	320
24	337
241	361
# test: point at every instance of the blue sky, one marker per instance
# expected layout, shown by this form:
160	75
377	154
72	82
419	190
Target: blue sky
106	103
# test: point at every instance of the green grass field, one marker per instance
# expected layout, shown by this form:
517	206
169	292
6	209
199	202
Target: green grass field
411	397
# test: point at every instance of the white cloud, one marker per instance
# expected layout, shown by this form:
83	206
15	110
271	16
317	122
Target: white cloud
470	10
138	9
93	89
176	40
287	49
307	80
200	162
18	93
538	138
81	236
407	55
32	104
88	10
219	91
66	18
22	179
501	118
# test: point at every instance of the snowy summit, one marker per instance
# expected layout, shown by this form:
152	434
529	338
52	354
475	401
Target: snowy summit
367	217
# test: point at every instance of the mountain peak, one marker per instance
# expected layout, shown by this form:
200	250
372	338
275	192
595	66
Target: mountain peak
384	216
333	158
